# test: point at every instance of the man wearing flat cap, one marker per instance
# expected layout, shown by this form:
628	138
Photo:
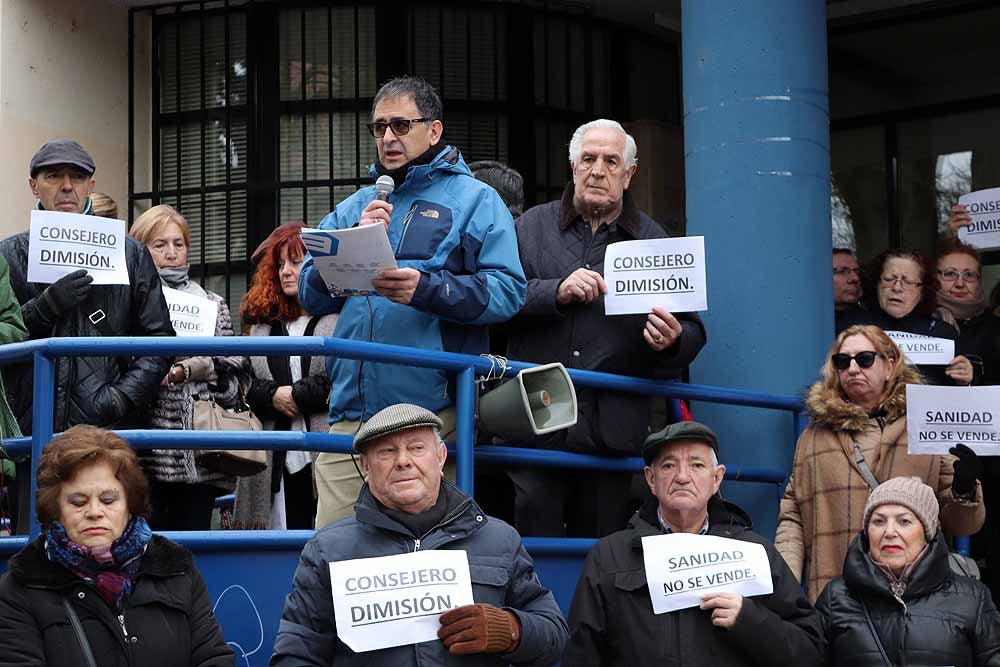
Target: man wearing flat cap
612	621
406	506
101	391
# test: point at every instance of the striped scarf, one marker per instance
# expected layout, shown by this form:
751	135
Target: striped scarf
110	568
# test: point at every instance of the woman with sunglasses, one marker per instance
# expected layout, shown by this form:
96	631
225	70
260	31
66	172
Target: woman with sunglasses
900	295
857	439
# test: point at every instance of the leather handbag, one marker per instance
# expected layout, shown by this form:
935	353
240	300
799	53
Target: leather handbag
210	416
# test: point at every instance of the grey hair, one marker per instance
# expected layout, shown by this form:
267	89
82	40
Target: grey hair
576	143
425	98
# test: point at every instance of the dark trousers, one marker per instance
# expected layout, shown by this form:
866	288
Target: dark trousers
571	503
300	501
182	506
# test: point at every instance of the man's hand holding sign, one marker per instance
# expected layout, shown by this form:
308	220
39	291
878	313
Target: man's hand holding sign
65	243
700	569
712	573
455	582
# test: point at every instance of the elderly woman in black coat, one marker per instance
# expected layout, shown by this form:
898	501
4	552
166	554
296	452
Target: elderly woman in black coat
97	587
899	602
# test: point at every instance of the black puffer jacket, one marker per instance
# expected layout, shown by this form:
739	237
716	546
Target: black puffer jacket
943	619
102	391
611	621
168	619
554	242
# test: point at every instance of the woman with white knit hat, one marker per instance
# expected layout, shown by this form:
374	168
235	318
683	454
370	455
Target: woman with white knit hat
899	603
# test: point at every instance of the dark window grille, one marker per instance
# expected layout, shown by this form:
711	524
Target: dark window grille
259	108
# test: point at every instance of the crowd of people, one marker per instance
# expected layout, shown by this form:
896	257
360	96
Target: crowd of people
860	570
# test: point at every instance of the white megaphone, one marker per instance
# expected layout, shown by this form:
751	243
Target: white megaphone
536	401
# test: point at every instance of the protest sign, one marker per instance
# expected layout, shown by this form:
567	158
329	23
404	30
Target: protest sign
191	315
349	259
682	567
984	207
397	600
924	350
658	272
938	418
61	243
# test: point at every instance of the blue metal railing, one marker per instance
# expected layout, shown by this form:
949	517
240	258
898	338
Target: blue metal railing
467	368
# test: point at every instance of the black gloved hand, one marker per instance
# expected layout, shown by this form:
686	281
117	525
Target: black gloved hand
67	292
968	469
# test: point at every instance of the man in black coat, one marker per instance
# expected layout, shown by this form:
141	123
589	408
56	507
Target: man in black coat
100	391
612	621
562	246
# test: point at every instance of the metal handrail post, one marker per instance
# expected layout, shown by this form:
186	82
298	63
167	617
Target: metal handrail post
465	427
42	413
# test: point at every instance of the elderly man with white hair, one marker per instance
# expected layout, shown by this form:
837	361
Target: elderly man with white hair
562	245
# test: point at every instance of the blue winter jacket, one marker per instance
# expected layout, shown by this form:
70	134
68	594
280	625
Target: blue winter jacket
457	232
502	575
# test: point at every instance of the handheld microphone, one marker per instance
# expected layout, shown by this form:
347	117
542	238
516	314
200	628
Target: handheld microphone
384	187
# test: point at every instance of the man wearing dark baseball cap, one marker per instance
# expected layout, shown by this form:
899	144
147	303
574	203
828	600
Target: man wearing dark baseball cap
406	505
611	619
101	391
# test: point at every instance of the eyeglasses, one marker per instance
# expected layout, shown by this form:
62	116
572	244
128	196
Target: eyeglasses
400	126
846	271
889	281
865	359
951	275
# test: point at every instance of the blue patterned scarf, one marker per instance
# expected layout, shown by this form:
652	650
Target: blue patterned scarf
109	568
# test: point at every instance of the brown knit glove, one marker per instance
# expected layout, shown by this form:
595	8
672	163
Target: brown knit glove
479	628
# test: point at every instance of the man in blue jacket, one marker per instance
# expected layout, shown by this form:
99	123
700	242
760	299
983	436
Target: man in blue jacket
406	507
459	272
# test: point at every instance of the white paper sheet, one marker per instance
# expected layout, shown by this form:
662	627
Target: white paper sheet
61	243
349	259
984	207
938	418
397	600
924	350
659	272
682	567
191	315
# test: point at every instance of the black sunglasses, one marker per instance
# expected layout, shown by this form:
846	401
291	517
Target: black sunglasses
865	360
400	126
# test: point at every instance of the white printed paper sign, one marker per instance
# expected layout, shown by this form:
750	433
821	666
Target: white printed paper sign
924	350
191	315
682	567
658	272
938	418
397	600
984	207
61	243
349	259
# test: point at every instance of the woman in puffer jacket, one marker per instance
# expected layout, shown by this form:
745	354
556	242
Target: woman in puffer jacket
184	492
899	603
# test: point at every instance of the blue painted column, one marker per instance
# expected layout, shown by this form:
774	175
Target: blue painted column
757	163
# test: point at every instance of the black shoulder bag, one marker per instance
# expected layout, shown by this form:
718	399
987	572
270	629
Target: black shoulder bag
81	636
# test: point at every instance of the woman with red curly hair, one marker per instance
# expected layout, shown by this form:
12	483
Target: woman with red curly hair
287	393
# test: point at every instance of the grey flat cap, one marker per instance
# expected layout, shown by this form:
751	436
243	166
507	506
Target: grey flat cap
688	430
393	419
61	151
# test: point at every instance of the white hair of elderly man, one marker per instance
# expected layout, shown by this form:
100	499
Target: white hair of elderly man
576	143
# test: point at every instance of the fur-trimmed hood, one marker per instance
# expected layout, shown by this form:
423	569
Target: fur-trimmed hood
827	407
